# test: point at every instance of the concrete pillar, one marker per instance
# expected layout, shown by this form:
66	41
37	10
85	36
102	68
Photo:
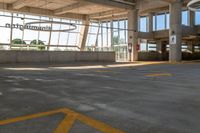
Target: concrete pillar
191	18
175	32
150	22
84	34
191	46
159	46
133	33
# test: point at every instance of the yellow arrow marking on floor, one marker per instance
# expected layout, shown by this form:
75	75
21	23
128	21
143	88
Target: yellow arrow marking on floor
67	123
158	74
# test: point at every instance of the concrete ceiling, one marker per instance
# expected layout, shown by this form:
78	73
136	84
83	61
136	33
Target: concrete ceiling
80	9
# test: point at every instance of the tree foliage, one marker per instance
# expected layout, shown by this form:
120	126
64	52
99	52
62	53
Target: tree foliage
117	40
37	42
18	41
40	44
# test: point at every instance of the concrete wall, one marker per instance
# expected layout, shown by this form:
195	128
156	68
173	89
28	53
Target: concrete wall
55	56
156	56
150	56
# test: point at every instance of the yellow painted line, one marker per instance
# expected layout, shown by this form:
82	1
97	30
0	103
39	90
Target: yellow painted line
67	123
94	123
158	74
98	125
28	117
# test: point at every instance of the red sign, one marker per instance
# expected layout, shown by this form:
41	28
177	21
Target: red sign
138	47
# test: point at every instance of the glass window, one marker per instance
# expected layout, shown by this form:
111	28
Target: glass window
92	34
154	23
197	18
5	35
167	21
143	24
30	35
185	18
160	22
18	22
151	47
143	46
72	39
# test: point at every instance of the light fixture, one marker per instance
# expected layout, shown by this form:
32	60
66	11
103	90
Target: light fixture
194	5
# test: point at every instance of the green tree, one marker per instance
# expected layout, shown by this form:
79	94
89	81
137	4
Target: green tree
117	40
18	41
40	44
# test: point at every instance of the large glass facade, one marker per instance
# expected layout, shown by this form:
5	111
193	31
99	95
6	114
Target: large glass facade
26	37
5	32
109	36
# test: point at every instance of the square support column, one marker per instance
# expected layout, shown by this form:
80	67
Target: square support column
150	22
192	18
159	46
175	32
191	46
84	34
133	34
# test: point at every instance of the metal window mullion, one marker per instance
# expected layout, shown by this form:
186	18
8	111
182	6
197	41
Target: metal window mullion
50	33
155	22
118	30
39	32
11	30
59	35
97	36
107	32
23	29
101	36
165	20
111	32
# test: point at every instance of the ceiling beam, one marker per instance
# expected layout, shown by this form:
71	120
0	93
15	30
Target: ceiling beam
21	3
111	3
171	1
107	14
40	12
68	8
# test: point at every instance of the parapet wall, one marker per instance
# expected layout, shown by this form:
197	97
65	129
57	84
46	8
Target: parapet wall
156	56
55	56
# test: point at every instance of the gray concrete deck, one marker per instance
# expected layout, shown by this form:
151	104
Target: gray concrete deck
157	98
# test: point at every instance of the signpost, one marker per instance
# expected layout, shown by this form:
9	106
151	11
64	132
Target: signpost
130	50
173	39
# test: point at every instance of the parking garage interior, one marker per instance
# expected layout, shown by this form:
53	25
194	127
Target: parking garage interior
99	66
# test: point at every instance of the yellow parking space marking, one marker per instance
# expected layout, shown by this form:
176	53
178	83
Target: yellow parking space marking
94	123
69	120
28	117
66	124
158	74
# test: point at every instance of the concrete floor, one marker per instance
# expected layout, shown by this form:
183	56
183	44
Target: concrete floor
162	98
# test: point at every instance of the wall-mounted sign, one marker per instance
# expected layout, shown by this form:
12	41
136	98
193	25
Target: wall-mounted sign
173	39
130	47
31	26
138	47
